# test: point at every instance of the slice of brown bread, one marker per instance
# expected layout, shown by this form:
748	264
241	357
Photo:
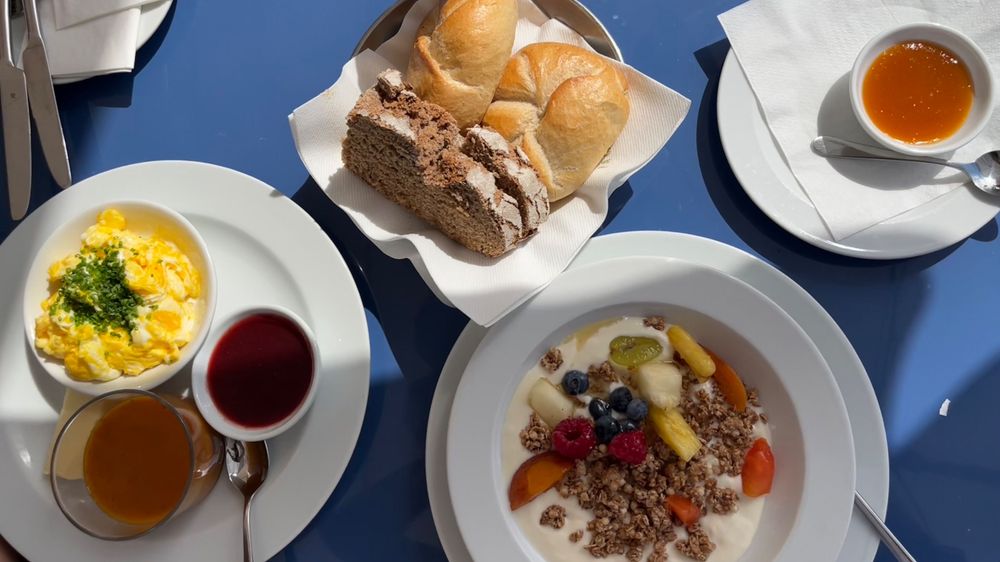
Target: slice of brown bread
411	151
513	172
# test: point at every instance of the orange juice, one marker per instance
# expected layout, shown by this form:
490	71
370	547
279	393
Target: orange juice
137	463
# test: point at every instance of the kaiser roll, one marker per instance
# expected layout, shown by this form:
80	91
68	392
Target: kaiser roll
460	51
564	106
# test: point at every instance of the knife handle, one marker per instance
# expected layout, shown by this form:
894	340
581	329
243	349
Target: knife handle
5	48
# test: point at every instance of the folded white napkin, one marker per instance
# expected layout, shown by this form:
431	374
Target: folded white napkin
100	46
483	288
72	12
798	55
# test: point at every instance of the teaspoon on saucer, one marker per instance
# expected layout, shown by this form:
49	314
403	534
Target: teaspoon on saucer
984	172
246	467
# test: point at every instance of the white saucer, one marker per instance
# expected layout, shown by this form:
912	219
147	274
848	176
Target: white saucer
266	250
871	453
759	165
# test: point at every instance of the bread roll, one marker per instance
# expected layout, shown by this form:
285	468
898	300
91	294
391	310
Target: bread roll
460	51
564	106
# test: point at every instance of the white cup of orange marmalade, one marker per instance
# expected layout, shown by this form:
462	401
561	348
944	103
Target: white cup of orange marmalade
922	89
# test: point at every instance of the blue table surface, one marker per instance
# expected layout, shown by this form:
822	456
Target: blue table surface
216	84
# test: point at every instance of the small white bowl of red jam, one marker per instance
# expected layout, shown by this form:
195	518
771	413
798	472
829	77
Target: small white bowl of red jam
922	89
257	373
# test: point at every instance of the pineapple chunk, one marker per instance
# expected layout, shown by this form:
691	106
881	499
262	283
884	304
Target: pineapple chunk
549	402
660	384
691	352
675	432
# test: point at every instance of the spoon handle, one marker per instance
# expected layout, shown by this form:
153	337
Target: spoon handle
247	543
890	540
832	147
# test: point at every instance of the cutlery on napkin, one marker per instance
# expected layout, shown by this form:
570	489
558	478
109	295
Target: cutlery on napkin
797	57
485	289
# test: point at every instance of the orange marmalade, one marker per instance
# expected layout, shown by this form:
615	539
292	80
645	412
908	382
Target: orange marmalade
918	92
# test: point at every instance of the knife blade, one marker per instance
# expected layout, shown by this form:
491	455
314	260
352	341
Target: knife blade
16	127
42	98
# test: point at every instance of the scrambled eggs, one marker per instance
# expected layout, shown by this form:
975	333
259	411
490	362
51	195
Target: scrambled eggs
123	304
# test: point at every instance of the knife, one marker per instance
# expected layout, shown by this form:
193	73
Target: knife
43	99
16	127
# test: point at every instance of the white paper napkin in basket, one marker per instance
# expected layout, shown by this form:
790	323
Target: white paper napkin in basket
100	46
483	288
797	54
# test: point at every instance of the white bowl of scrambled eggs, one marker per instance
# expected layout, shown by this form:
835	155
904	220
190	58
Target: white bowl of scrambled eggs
122	296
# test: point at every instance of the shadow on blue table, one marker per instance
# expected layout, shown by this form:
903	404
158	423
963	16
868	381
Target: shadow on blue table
945	478
387	468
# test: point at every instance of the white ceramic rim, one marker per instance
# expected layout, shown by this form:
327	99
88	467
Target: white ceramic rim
951	39
473	462
203	398
150	378
867	428
762	171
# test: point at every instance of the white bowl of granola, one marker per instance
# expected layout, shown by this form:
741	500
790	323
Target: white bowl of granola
632	443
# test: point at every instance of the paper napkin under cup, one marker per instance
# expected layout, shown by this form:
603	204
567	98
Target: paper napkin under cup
483	288
98	46
798	57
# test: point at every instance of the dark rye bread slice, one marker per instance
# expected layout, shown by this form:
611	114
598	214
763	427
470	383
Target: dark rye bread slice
514	174
411	151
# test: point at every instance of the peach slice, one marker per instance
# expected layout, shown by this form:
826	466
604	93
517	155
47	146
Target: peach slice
535	476
729	383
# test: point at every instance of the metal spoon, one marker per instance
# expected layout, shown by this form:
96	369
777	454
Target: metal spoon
888	538
246	465
984	172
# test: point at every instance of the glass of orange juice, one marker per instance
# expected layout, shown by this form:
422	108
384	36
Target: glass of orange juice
130	460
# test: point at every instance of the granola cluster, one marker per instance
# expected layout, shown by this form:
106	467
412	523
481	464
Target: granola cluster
552	360
536	437
628	502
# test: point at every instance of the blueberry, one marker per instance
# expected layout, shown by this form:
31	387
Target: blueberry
628	425
606	428
598	408
637	410
575	382
620	397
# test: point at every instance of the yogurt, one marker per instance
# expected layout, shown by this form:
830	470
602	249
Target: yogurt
732	533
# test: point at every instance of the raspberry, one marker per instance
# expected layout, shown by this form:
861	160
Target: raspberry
629	447
574	438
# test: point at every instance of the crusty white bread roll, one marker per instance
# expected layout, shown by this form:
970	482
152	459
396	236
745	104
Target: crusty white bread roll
564	106
462	47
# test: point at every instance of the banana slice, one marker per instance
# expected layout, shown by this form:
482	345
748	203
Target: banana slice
549	402
660	384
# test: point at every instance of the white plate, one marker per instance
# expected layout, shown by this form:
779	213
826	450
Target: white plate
266	251
871	454
760	166
150	18
810	429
